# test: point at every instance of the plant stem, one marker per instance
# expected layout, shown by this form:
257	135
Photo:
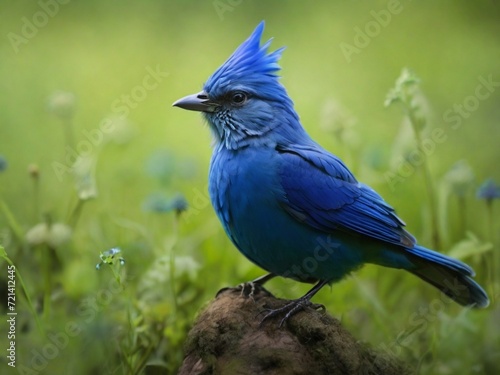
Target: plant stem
3	255
36	199
68	133
11	220
462	215
142	360
117	276
75	214
429	186
47	281
172	263
493	265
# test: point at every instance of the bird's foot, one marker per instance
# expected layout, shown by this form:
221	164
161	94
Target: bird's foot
291	309
251	288
248	290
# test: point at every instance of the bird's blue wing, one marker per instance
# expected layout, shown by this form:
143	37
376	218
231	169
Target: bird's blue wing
321	192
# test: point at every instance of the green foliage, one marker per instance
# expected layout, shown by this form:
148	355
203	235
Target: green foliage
406	91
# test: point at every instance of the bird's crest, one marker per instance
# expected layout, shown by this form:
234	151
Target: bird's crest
250	65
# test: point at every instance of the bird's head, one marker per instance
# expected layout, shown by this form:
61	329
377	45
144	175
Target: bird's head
243	101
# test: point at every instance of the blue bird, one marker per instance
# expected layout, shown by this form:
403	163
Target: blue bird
290	206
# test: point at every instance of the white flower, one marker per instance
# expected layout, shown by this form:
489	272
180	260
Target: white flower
53	235
62	104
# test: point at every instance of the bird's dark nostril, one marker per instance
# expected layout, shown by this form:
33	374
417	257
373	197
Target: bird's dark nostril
202	96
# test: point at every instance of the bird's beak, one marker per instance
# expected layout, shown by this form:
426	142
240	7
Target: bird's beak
197	102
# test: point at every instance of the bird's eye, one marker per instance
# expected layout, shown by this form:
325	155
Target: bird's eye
238	98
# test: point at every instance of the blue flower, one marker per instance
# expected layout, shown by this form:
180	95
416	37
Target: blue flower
489	190
160	204
3	163
179	203
108	257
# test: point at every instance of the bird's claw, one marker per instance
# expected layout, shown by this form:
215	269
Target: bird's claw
247	290
318	306
290	309
250	289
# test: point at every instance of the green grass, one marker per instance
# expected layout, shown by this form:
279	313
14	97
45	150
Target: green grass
121	317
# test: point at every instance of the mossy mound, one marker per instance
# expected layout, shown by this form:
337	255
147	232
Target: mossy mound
227	338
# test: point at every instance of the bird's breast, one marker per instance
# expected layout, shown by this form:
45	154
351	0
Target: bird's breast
247	196
244	186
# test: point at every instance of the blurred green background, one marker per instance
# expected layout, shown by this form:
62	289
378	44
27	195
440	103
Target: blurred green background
69	71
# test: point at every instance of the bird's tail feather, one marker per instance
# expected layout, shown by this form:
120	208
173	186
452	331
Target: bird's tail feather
449	275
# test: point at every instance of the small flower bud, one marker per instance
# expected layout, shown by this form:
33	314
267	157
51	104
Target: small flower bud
3	163
53	235
62	104
34	171
489	190
179	203
460	178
